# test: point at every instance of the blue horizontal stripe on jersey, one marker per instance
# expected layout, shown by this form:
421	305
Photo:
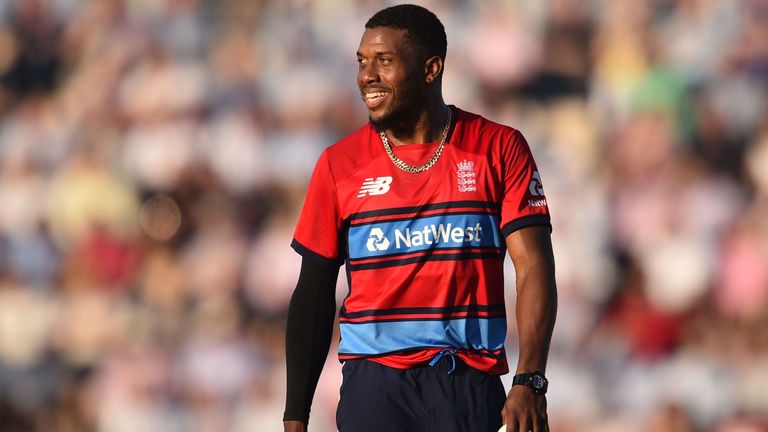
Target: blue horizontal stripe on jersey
449	231
393	336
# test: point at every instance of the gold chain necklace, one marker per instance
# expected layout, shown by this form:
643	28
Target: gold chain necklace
416	169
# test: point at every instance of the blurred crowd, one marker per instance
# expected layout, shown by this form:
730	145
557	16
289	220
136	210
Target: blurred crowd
154	157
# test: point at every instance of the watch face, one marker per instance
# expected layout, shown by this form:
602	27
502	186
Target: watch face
537	382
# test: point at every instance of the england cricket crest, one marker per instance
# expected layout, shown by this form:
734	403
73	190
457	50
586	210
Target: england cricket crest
465	174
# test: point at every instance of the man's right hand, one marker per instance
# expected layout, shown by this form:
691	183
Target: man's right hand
294	426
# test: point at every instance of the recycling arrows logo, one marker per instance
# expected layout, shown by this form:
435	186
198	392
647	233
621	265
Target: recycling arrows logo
377	241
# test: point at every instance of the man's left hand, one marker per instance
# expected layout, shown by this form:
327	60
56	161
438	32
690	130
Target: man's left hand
525	411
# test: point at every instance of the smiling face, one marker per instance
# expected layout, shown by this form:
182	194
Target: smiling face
390	77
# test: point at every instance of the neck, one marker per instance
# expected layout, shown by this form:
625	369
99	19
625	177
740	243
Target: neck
426	126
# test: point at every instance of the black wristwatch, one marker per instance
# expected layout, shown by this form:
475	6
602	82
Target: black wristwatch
535	380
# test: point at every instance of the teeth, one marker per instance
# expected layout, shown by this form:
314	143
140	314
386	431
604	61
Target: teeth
372	96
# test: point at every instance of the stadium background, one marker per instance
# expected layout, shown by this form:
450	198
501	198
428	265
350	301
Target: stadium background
154	154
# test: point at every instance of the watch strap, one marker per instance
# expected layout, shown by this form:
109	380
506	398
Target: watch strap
536	381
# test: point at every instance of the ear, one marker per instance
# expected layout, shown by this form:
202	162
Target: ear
433	68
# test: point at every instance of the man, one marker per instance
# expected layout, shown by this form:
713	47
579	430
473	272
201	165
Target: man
421	204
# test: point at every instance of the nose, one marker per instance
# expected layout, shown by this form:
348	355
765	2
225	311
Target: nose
367	73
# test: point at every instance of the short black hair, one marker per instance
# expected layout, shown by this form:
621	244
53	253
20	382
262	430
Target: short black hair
422	27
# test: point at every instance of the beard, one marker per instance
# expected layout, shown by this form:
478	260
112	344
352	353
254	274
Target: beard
402	116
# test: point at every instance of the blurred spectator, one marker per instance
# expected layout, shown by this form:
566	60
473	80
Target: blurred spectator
34	44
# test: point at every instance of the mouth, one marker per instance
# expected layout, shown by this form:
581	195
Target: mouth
374	99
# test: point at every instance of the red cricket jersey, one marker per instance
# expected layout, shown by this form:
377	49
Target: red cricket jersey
423	251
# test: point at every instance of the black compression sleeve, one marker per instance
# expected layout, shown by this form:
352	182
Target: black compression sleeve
308	335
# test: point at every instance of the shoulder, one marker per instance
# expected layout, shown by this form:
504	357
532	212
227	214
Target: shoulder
352	141
349	153
477	127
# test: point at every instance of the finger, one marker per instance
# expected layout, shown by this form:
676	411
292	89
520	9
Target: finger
521	425
540	422
544	420
512	425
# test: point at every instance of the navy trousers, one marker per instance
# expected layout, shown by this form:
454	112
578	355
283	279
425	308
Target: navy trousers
377	398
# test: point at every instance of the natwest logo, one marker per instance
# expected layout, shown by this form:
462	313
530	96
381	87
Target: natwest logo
377	241
380	186
435	234
535	187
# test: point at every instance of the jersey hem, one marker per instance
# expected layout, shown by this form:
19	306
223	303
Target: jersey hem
525	221
314	256
472	358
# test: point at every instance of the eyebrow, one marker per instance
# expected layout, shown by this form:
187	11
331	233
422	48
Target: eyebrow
378	53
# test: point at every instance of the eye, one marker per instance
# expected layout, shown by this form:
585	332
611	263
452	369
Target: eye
385	60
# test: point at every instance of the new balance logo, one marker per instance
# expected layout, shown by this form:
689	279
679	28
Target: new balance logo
535	187
377	241
380	186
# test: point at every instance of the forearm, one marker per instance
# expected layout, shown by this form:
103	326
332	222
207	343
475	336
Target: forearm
531	252
308	336
536	311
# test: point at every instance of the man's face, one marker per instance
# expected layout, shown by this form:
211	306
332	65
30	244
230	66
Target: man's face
389	76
